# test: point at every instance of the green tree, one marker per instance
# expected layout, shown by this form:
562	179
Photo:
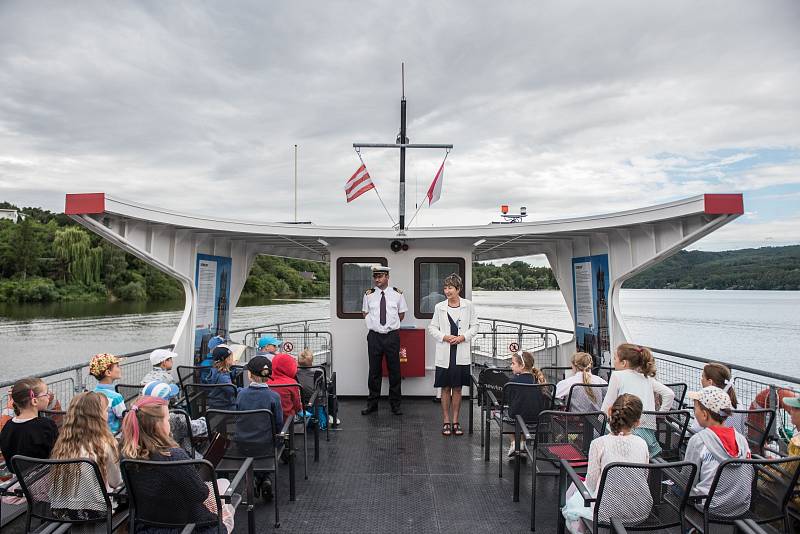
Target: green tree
72	246
27	247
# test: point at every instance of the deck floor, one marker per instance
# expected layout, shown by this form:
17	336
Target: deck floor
383	473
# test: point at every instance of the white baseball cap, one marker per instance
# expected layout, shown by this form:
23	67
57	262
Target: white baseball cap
159	355
713	399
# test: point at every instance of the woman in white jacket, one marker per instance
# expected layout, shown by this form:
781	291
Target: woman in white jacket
453	325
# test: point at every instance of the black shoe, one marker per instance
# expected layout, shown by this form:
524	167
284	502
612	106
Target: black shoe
369	409
266	490
396	410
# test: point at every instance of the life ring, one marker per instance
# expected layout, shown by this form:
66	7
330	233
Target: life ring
760	402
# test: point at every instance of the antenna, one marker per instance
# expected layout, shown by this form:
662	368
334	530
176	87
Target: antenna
403	79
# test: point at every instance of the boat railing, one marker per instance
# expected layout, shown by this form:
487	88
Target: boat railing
497	339
66	382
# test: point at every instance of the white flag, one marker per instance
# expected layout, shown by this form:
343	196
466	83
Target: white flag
435	190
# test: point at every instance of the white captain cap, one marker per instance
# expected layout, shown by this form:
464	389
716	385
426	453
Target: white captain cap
378	269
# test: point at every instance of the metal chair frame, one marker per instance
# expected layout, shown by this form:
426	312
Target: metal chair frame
244	474
112	520
280	440
656	472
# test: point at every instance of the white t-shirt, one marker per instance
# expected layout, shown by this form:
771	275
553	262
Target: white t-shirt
562	388
644	387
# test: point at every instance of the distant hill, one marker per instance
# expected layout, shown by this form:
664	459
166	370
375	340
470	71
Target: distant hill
752	268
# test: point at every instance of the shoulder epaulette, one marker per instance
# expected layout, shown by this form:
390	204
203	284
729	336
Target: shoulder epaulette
398	290
369	291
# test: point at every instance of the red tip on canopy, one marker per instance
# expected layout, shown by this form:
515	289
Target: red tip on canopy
85	203
730	204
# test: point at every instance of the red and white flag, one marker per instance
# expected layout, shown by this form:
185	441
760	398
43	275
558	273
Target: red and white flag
358	184
435	190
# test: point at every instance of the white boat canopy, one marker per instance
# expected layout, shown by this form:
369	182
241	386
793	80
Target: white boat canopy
633	240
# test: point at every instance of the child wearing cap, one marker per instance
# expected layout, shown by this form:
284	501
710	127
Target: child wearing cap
258	396
208	360
712	446
106	369
177	423
268	346
223	373
161	360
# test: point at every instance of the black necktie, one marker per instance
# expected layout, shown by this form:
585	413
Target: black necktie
383	308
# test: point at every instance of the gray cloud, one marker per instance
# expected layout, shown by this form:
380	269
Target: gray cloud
561	107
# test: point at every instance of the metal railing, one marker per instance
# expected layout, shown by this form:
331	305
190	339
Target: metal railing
497	339
66	382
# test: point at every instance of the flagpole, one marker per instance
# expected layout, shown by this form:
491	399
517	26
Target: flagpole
375	188
426	195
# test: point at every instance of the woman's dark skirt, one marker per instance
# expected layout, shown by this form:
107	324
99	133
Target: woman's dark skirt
453	376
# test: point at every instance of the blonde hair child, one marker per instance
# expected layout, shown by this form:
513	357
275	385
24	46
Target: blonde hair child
581	363
84	434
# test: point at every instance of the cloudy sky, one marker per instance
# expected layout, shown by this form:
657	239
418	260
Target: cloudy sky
568	108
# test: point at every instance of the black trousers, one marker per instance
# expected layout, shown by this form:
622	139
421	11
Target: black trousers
377	346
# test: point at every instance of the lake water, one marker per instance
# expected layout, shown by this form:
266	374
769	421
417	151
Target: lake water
754	328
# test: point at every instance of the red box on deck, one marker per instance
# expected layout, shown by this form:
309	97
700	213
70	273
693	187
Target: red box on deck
412	353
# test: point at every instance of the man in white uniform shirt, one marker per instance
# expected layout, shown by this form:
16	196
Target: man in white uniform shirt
383	308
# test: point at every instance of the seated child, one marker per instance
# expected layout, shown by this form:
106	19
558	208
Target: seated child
259	396
581	374
84	434
145	436
307	378
622	445
208	360
715	444
635	371
522	365
106	369
177	423
161	360
27	433
717	374
222	373
284	369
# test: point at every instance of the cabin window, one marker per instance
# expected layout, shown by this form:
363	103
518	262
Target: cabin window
429	275
353	278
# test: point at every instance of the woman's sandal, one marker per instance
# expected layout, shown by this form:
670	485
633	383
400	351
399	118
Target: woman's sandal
446	429
457	429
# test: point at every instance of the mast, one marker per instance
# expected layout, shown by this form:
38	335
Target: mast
401	143
402	140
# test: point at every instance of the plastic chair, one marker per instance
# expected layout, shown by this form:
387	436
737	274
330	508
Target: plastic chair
773	483
202	397
561	436
66	491
252	434
180	503
579	398
625	493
